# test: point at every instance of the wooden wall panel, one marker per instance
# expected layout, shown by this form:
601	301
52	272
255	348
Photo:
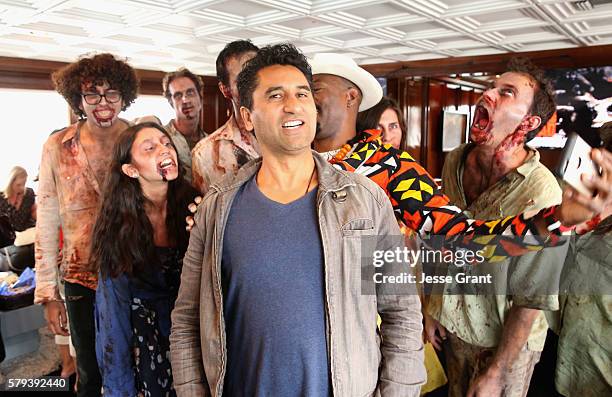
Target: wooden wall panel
36	74
549	59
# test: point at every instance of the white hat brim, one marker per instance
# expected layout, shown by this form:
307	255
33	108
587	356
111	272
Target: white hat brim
371	90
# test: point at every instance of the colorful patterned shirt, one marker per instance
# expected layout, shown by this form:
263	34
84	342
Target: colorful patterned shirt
421	207
222	152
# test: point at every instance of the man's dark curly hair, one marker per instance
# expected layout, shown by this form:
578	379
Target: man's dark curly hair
95	70
182	72
233	49
543	104
279	54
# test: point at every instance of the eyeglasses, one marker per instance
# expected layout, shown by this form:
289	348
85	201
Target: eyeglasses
110	96
190	93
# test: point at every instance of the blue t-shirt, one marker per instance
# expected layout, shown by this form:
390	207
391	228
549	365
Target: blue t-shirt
274	297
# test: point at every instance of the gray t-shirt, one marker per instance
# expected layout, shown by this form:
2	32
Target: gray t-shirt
274	297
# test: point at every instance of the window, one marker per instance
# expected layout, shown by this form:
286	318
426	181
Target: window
147	105
30	116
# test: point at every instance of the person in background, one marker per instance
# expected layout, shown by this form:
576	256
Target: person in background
183	90
17	215
584	352
291	321
231	146
493	340
342	89
73	168
138	245
17	202
385	116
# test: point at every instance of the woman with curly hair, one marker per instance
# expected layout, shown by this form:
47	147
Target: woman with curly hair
73	168
138	244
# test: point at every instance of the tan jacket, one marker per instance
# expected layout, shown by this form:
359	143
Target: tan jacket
363	360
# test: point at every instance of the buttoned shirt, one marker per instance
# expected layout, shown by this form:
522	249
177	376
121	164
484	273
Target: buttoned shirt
183	147
222	152
584	355
68	197
479	319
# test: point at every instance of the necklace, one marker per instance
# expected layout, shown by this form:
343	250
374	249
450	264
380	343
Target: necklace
342	153
310	180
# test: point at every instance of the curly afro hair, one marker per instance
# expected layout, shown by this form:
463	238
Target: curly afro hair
96	70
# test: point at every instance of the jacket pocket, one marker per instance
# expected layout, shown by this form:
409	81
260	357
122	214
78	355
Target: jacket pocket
358	227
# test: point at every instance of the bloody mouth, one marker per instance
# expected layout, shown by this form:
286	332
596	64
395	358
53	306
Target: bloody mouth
481	125
163	168
104	116
481	118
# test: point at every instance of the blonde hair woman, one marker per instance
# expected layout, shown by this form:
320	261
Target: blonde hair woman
18	202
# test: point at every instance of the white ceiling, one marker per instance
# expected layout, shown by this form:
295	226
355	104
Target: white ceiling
167	34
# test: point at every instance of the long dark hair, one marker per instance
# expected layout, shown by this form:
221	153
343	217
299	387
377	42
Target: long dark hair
369	119
122	238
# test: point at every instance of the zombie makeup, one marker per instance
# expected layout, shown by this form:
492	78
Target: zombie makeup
104	116
101	104
481	126
502	111
164	167
185	98
154	156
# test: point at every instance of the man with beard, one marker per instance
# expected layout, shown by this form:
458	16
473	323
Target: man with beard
492	342
183	90
72	170
228	148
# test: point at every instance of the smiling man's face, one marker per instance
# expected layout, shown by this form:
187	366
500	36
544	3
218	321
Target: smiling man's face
283	114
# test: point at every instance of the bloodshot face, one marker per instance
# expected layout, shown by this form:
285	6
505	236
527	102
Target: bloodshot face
153	157
101	104
185	98
503	110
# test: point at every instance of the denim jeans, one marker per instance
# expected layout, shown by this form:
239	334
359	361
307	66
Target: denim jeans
80	305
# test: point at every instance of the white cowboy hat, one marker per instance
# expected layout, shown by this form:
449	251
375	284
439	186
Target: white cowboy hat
346	67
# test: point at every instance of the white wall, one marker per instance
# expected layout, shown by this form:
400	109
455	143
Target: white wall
29	116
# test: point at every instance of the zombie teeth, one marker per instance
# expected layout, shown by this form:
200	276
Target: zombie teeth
481	118
166	163
293	123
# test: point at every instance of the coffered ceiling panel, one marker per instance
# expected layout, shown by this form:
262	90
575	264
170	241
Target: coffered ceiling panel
165	34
